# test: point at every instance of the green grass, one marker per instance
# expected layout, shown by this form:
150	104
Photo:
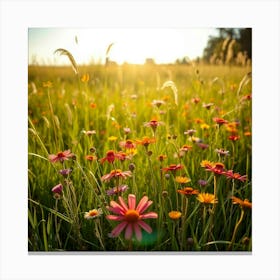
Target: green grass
118	97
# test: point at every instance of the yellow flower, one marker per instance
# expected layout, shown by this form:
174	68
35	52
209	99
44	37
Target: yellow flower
85	78
207	198
182	180
47	84
204	126
174	215
205	163
112	138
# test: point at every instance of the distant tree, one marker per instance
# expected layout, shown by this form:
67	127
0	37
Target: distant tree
231	46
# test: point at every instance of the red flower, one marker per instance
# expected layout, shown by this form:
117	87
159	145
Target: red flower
131	216
217	168
112	155
173	167
127	144
117	173
61	156
234	137
188	191
229	174
220	121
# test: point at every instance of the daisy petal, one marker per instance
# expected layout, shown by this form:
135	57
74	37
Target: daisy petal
144	207
137	231
150	215
128	231
118	229
142	203
145	226
118	208
131	201
114	218
122	203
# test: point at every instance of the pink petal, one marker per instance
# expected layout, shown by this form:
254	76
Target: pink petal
142	203
128	232
145	206
150	215
137	231
118	229
115	218
145	226
123	204
114	210
118	208
131	201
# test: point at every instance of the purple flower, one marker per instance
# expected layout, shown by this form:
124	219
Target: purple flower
202	183
65	172
57	189
117	190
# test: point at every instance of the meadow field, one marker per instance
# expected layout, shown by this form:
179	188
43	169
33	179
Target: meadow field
140	158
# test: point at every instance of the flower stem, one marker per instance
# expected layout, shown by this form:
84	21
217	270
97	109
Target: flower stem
235	229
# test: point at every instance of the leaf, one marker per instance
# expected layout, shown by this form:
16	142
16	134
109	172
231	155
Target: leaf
70	56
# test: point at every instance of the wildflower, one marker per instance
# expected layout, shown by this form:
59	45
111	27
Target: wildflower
127	144
182	180
243	203
222	152
146	141
173	167
47	84
131	216
194	139
61	156
158	103
117	190
208	105
206	163
90	157
190	132
188	191
203	146
116	173
198	121
234	137
247	133
195	100
131	166
204	126
112	138
153	124
92	214
127	130
236	176
232	127
89	132
207	198
57	189
220	121
174	215
92	150
185	148
112	155
92	105
65	172
85	78
246	97
217	168
202	183
161	157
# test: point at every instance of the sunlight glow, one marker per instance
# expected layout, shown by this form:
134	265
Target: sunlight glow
130	45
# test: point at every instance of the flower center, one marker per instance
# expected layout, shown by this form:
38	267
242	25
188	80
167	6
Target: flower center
131	216
93	212
60	154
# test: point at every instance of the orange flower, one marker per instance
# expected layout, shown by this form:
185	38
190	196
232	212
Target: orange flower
173	167
243	203
174	215
85	78
117	173
90	157
220	121
207	198
188	191
182	180
146	141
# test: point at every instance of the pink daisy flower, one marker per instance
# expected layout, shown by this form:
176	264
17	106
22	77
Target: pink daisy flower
116	173
131	216
61	156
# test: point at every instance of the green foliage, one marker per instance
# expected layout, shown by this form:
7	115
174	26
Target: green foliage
61	113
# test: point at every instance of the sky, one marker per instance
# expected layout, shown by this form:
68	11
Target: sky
131	45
